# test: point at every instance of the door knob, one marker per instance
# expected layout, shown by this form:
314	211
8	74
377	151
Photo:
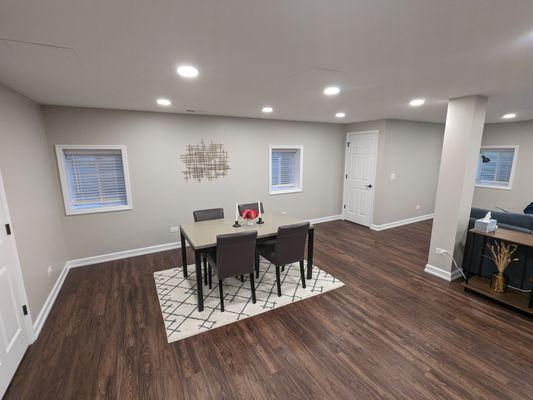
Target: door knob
369	186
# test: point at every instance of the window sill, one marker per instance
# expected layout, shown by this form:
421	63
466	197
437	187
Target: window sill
499	187
285	191
97	210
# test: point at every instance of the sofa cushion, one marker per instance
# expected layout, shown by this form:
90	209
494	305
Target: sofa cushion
514	221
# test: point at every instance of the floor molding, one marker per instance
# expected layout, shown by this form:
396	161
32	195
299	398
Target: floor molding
45	310
401	222
119	255
326	219
440	273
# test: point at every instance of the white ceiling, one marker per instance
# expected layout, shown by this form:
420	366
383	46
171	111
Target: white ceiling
382	53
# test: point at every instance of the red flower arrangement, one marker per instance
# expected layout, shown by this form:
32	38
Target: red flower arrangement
250	214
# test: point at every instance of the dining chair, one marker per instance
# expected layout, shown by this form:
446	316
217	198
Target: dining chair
288	248
250	206
207	215
235	255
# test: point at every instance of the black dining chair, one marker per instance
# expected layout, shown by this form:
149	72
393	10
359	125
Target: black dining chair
235	255
250	206
207	215
288	248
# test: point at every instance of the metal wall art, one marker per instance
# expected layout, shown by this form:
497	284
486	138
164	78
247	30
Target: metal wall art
205	161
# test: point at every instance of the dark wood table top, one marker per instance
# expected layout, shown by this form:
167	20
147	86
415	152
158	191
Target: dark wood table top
508	235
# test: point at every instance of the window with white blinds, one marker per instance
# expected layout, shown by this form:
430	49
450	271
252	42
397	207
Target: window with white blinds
496	167
285	169
94	179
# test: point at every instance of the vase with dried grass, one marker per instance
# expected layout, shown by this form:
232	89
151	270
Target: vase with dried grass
502	255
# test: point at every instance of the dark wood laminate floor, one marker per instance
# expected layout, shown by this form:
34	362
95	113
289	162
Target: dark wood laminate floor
393	332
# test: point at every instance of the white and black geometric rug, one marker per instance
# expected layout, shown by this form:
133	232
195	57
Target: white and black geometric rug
177	297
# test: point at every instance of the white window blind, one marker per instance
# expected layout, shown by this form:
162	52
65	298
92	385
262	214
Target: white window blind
286	169
93	180
496	166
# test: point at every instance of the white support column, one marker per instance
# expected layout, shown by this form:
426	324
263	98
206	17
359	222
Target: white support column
460	154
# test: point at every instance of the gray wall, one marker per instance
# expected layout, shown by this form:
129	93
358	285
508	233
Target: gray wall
513	133
161	196
411	150
31	194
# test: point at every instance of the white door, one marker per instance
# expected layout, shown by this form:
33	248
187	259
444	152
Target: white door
360	176
13	332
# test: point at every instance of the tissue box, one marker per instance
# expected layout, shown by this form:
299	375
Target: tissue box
484	226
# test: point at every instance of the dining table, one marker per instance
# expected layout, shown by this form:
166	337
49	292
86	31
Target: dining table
202	237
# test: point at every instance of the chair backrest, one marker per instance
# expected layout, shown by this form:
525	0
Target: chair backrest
290	243
250	206
236	253
208	215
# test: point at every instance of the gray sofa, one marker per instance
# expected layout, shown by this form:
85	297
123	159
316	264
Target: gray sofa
515	272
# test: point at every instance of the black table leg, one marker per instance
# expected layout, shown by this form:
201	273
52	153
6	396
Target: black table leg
199	283
184	255
310	240
483	247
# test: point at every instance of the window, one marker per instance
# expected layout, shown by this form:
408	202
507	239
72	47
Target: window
94	178
286	169
496	166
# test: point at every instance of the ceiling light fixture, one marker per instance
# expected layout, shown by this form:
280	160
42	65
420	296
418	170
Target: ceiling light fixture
509	116
267	109
340	115
187	71
164	102
332	90
417	102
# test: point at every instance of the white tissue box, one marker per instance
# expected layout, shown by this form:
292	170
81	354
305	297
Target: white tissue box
486	226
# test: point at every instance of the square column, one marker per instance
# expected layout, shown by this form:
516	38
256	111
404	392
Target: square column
460	154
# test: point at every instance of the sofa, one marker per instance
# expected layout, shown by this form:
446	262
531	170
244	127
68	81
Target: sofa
516	274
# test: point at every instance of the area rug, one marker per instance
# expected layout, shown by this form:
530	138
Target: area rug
177	297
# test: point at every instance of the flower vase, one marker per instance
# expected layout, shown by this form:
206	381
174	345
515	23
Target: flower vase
498	283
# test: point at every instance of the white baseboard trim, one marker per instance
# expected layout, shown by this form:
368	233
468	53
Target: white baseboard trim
326	219
401	222
82	262
45	310
440	273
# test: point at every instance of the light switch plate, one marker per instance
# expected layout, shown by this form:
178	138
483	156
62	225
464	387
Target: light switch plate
393	176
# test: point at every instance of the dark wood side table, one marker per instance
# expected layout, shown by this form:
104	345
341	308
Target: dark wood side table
476	283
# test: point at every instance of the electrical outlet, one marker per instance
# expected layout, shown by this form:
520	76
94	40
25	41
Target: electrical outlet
174	229
440	251
393	176
418	207
50	269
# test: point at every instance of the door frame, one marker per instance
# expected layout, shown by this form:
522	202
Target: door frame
345	176
20	287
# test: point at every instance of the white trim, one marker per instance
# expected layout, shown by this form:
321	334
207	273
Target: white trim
440	273
325	219
300	149
63	177
401	222
50	300
82	262
508	186
346	159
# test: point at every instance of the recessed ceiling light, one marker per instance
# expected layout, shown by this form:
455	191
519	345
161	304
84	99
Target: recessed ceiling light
509	116
164	102
187	71
332	90
267	109
340	115
417	102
